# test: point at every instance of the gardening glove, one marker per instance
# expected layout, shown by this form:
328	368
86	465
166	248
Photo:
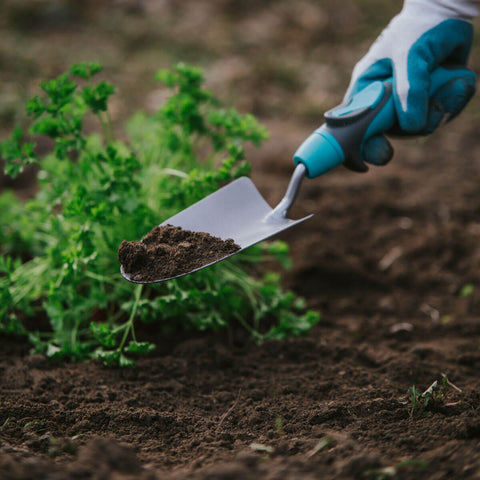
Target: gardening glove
424	35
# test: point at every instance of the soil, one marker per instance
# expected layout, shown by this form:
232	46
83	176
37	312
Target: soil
388	278
168	251
391	259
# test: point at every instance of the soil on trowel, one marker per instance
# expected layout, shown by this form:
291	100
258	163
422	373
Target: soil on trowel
169	251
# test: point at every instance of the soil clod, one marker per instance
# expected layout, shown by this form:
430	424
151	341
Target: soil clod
169	251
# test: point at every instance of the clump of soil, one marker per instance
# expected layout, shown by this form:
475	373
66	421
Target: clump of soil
169	251
100	458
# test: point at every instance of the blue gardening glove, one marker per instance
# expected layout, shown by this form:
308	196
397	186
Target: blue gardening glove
424	35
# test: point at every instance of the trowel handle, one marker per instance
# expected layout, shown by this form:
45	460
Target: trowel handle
348	126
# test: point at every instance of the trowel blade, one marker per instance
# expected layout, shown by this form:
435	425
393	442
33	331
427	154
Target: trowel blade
236	211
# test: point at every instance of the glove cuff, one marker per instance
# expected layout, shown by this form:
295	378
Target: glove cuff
456	9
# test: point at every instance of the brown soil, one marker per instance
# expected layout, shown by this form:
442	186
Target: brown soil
385	259
169	251
387	277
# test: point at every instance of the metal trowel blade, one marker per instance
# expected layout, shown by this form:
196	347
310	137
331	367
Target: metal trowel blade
236	211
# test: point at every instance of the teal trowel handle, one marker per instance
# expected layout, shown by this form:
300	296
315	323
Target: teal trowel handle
348	126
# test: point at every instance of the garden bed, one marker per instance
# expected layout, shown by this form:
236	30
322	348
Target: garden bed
335	404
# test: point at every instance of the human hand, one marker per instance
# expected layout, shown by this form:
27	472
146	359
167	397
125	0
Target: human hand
425	35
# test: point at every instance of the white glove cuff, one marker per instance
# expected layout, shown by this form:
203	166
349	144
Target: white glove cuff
457	9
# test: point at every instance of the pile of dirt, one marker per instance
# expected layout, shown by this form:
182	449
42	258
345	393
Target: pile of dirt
99	458
169	251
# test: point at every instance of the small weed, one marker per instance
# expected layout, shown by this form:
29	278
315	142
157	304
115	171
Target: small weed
434	397
414	398
323	444
279	426
467	290
5	424
33	424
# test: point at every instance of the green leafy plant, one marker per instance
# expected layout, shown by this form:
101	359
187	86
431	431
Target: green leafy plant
59	277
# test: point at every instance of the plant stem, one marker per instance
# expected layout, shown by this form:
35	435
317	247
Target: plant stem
110	125
129	324
105	128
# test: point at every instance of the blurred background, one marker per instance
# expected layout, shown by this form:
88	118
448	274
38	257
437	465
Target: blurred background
286	62
278	59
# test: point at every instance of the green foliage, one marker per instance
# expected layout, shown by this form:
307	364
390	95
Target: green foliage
467	290
85	70
10	322
59	249
17	152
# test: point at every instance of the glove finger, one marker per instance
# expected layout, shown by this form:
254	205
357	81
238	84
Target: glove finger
377	151
436	115
448	42
411	97
365	73
449	101
455	95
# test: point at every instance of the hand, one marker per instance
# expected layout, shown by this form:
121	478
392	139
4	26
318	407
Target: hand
425	35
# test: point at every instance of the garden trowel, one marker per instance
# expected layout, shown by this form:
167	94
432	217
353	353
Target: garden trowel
238	210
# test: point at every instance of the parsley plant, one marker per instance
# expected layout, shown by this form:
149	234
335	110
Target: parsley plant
59	276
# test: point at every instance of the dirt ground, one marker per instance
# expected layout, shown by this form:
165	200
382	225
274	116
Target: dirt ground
391	259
